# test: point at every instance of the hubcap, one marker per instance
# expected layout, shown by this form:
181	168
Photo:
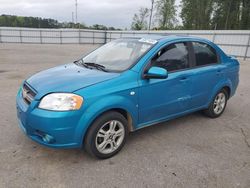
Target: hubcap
110	137
219	103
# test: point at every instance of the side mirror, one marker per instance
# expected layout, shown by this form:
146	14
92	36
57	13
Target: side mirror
156	73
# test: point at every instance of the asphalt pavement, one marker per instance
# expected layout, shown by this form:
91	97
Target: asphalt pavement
189	152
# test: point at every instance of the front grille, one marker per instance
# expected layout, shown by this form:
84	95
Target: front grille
28	94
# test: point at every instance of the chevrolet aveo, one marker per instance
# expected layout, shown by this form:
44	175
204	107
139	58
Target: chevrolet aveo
123	86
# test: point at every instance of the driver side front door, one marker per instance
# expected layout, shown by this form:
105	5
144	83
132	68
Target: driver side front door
159	99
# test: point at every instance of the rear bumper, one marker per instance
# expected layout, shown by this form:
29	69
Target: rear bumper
49	128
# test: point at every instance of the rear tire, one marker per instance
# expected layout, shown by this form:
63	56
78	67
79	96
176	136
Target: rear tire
218	105
107	135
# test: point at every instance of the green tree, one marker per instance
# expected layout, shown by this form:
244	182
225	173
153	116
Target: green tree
140	19
166	14
98	27
227	14
245	18
197	14
35	22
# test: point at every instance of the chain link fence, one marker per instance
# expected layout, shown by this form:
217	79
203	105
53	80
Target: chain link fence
233	42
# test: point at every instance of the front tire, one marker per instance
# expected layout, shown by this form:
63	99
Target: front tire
107	135
218	105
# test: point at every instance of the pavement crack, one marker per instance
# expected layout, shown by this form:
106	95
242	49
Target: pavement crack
245	137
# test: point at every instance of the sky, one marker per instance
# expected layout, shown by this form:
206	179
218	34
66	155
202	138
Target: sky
117	13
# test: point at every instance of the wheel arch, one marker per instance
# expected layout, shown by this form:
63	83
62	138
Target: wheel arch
123	112
228	90
120	104
227	85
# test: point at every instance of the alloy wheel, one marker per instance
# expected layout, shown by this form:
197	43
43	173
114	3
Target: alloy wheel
109	137
219	103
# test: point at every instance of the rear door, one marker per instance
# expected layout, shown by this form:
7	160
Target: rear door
207	72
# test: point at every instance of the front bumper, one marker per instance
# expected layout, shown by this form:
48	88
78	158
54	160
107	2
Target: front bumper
49	128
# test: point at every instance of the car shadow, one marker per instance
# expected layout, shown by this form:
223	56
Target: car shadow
170	125
75	156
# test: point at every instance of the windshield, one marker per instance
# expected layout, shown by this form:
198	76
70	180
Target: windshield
120	54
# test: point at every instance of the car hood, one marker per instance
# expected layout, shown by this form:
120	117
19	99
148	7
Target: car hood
66	78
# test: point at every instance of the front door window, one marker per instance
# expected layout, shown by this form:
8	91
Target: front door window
173	57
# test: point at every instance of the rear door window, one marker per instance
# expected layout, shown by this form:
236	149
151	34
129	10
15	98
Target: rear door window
204	54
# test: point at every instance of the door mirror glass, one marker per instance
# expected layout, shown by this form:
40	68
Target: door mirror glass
156	73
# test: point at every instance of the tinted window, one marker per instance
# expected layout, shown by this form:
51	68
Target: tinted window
173	57
204	54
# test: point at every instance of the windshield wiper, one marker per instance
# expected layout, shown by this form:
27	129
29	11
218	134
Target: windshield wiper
80	62
95	65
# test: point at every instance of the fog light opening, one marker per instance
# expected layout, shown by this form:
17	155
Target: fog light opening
48	139
45	137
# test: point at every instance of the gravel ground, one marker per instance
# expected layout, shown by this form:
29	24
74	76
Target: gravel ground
192	151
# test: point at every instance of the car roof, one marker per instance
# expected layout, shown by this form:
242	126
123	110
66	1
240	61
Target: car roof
166	38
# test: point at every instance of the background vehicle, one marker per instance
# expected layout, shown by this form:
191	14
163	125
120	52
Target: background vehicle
124	86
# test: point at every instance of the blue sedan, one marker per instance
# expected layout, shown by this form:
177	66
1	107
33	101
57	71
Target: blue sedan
125	85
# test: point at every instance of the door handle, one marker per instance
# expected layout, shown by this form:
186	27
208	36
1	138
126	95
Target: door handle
219	72
183	79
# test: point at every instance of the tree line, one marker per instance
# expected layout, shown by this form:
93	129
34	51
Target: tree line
194	14
36	22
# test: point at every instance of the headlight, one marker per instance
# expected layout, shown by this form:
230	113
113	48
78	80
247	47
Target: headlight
61	102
